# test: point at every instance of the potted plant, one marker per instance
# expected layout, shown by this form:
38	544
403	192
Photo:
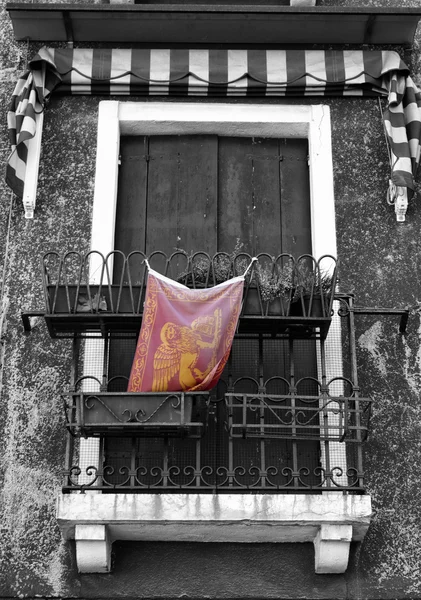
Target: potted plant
269	285
313	288
270	291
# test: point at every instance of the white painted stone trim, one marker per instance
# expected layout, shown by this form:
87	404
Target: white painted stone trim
158	118
331	548
322	199
330	521
102	240
182	118
303	2
140	516
32	166
93	548
106	182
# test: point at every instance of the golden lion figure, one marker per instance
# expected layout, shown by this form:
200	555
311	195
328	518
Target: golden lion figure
180	350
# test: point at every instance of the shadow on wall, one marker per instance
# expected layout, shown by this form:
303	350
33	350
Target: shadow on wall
211	570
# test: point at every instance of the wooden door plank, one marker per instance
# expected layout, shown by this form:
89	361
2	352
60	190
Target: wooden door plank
295	195
235	219
182	194
161	226
265	159
250	198
198	192
131	205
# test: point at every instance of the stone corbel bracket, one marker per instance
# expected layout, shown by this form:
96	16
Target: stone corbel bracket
331	547
93	548
329	520
303	2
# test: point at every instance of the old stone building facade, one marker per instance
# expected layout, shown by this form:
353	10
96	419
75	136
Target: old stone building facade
200	160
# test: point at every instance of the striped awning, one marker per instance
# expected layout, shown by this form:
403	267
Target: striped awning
221	73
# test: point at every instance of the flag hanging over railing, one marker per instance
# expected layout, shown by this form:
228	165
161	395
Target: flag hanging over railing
186	335
222	73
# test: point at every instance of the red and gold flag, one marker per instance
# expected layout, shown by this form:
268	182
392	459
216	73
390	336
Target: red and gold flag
186	335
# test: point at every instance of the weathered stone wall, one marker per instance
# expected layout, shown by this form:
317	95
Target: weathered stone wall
380	261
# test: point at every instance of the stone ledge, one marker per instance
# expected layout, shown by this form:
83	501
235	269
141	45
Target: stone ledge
330	520
261	517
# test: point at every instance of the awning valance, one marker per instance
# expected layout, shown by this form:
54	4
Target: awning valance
221	73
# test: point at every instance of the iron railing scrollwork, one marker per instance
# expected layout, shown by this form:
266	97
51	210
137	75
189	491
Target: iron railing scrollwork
93	413
262	443
82	290
298	417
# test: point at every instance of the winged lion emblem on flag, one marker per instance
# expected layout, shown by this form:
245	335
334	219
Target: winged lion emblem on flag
180	351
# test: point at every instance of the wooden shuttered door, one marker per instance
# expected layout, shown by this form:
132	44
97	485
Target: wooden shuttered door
210	193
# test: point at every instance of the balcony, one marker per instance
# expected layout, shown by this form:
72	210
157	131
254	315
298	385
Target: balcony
282	294
273	454
259	443
279	441
286	417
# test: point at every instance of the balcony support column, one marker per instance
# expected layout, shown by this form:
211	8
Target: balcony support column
93	549
331	546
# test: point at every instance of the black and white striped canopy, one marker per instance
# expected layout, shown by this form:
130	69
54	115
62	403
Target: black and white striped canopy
221	73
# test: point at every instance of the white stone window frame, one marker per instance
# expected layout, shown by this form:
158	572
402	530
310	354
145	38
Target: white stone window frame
331	520
157	118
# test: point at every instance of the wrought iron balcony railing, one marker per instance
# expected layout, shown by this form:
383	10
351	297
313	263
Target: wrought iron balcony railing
124	413
250	438
90	292
298	417
263	415
287	415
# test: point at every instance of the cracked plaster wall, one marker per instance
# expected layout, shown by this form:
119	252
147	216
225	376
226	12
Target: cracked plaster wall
380	261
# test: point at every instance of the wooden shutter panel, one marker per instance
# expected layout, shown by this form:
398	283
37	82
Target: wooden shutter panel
206	193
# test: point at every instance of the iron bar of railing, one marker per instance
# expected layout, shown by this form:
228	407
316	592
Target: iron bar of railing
281	276
280	416
325	454
26	319
354	376
133	463
69	452
402	312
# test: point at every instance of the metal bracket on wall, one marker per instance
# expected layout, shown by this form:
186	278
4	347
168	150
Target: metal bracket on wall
402	312
69	28
26	319
398	196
